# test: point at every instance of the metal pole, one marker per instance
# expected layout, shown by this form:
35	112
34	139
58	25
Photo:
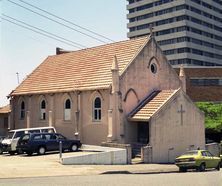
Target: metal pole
60	149
17	77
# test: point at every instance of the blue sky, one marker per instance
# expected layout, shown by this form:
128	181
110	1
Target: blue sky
22	50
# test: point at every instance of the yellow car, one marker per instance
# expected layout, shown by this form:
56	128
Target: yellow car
197	159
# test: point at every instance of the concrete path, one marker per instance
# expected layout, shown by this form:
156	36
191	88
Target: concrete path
49	165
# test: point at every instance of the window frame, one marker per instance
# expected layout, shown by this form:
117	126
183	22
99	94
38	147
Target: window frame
22	110
97	111
42	110
65	109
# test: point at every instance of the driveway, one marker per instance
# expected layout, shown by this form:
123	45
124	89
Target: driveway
21	166
34	166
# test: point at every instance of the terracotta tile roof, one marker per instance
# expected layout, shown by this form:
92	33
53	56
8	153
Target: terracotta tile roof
150	105
5	109
80	70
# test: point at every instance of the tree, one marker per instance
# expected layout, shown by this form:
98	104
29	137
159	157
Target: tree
213	116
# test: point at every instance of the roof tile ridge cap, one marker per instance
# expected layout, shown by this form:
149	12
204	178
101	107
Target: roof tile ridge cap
116	43
148	38
28	76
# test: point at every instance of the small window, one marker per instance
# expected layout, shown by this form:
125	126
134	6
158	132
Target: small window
60	137
43	110
37	137
67	110
97	109
22	110
153	68
53	137
47	136
34	131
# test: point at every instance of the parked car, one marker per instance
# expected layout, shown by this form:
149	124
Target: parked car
10	142
221	160
1	138
197	159
1	148
43	142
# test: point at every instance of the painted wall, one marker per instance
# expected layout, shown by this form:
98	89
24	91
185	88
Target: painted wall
81	119
172	135
138	81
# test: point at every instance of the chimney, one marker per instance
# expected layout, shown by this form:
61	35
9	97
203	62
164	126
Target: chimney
61	51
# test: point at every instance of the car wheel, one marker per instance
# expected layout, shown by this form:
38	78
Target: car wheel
202	167
41	150
11	152
19	151
1	151
29	153
218	167
74	147
182	169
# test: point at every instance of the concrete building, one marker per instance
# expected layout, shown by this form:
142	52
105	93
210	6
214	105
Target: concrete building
124	92
188	31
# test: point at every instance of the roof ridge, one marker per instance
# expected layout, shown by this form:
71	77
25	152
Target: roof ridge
100	46
89	66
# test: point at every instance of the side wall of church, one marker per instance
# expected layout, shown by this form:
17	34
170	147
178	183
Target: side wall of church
80	125
173	132
138	80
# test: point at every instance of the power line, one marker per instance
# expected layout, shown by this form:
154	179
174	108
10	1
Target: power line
57	22
44	31
67	21
39	32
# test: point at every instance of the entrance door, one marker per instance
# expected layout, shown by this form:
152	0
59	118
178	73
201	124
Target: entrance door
143	133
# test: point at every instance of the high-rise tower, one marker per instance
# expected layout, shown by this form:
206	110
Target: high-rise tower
188	31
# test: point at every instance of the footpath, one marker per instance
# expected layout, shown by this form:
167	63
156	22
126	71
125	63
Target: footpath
21	166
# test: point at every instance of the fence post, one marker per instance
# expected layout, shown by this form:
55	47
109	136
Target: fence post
60	149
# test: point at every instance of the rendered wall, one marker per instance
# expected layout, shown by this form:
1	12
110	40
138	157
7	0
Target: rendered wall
81	121
170	135
138	81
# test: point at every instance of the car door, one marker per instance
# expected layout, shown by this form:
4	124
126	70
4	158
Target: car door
55	142
50	142
212	161
205	159
65	143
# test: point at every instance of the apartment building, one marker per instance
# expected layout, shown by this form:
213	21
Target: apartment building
188	31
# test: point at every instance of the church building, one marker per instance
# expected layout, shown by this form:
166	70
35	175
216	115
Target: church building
124	92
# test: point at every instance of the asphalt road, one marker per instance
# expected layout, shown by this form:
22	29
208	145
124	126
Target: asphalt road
208	178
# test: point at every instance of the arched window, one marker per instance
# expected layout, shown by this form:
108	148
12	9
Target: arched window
22	110
97	109
43	110
67	110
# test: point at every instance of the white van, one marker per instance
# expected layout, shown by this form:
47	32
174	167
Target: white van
10	142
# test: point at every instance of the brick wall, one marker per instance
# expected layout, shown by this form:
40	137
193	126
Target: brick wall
203	93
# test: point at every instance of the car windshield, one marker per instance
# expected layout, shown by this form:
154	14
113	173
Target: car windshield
10	135
19	134
191	153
